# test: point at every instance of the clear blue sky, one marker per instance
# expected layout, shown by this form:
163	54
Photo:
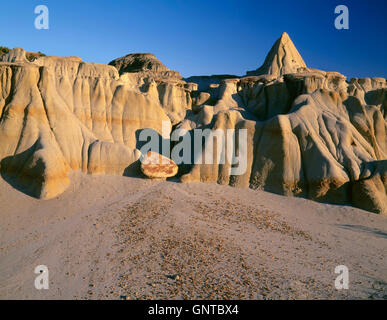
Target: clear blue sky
201	37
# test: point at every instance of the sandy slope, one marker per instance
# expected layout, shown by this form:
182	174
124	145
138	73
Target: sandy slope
115	237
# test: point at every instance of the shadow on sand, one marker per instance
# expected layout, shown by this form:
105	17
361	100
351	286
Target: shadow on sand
357	228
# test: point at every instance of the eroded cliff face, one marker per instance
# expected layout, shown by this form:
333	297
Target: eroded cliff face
311	137
310	133
59	114
145	71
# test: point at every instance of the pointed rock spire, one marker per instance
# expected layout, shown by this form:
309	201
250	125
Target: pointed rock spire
283	58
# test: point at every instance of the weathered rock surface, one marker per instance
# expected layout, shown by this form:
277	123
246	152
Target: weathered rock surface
59	114
370	191
143	62
18	55
204	82
145	72
283	58
310	133
14	55
199	98
156	166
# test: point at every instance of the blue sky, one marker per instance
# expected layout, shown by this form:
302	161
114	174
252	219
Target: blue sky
197	37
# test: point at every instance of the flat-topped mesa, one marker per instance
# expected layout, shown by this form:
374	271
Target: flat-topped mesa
73	67
14	55
283	58
144	63
18	55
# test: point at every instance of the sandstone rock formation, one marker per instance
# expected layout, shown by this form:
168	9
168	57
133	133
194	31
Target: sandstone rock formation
283	58
163	85
18	54
369	192
59	114
310	133
143	62
204	82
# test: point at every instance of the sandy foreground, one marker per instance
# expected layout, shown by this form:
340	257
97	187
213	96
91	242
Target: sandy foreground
110	237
